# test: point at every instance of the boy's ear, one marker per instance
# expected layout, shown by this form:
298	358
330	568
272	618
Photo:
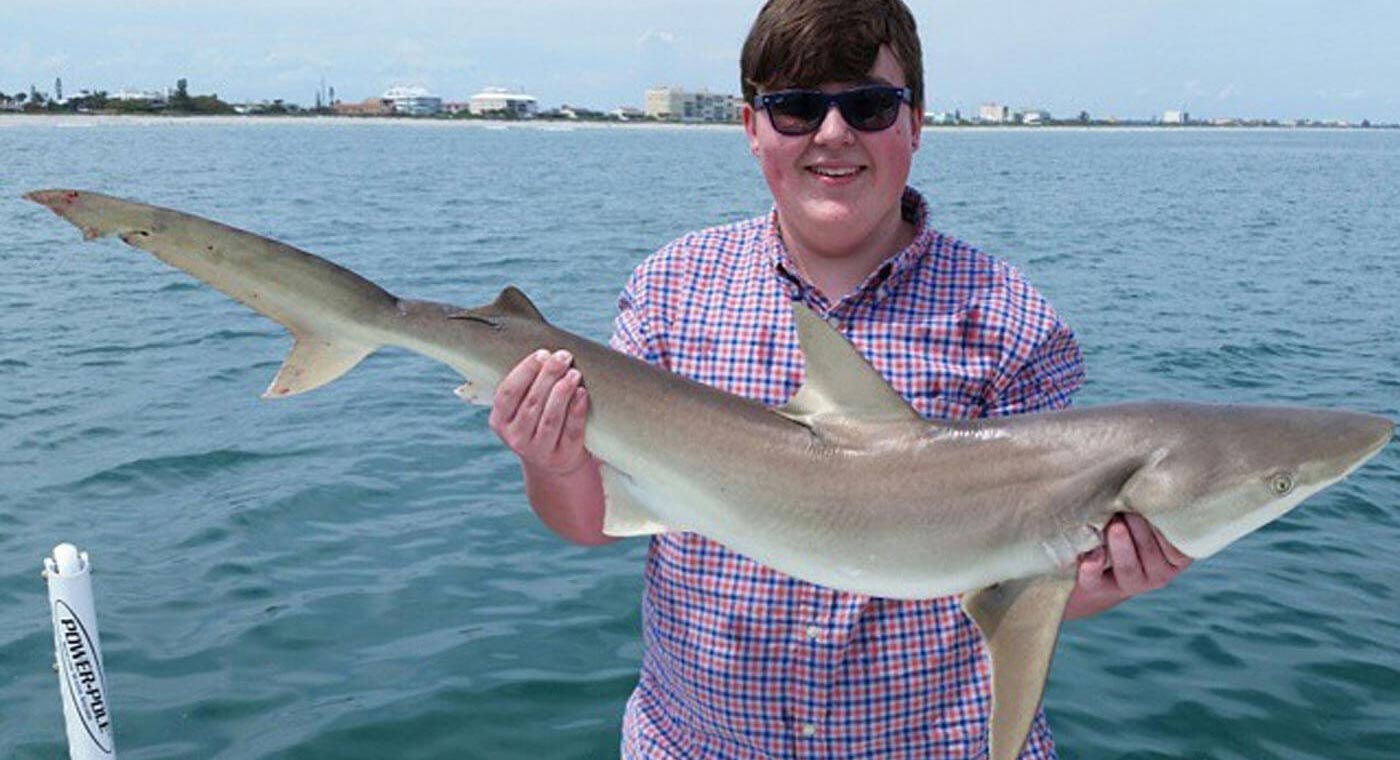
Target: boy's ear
916	129
750	118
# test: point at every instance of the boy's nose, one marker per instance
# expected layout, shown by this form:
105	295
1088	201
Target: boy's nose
833	127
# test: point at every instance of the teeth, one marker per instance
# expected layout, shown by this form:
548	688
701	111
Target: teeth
827	172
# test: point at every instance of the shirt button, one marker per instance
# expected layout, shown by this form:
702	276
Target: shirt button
809	730
813	632
834	322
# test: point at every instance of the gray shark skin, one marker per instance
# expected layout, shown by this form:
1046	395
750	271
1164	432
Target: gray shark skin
844	486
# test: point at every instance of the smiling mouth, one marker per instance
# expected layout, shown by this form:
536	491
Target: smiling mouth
832	172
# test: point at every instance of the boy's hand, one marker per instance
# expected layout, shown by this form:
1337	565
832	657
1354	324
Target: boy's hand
1135	558
538	411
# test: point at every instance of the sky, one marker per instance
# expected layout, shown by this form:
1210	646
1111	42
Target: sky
1285	59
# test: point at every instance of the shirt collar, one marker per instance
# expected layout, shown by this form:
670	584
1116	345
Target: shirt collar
878	283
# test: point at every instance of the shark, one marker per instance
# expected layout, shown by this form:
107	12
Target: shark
844	485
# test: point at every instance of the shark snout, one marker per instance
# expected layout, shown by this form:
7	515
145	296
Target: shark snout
1380	430
1360	437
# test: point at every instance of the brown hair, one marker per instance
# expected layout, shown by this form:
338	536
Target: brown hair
802	43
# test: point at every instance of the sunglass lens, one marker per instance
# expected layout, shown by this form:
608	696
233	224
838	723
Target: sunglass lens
870	110
797	113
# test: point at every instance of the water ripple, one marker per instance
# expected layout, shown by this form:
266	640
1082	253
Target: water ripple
354	573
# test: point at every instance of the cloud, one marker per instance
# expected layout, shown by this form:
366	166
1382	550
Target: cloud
655	37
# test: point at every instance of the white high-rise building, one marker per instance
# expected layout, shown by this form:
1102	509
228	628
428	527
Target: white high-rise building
497	100
995	113
665	103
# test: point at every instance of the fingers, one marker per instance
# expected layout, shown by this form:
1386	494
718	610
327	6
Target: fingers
531	409
1154	565
511	391
1127	565
1135	558
1095	589
1177	558
1143	560
539	410
572	436
1093	566
560	393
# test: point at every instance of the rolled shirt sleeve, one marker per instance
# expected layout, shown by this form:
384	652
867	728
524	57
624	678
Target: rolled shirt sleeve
1052	372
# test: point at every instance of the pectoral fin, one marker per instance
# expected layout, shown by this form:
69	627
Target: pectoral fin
1020	621
624	511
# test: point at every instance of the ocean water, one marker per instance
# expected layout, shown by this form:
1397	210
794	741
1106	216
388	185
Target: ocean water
354	573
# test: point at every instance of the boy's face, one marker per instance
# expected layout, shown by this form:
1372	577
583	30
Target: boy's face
837	188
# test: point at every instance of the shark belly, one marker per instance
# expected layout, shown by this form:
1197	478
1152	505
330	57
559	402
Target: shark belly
812	515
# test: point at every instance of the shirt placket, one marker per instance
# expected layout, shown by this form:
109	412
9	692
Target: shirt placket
815	643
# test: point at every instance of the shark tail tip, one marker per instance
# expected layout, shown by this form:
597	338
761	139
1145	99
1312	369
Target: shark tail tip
52	197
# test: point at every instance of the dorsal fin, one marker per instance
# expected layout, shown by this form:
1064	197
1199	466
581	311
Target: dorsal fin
840	386
514	301
511	302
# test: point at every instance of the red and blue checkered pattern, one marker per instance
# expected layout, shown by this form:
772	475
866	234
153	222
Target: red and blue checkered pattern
744	662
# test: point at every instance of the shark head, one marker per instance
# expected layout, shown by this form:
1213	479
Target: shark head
1229	471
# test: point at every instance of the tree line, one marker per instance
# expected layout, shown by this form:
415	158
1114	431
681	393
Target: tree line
178	101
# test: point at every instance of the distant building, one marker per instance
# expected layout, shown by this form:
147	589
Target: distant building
367	107
495	100
627	113
665	102
155	96
994	113
712	107
413	101
676	104
1175	117
456	107
1034	116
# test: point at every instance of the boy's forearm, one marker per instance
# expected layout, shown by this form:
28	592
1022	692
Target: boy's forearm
570	504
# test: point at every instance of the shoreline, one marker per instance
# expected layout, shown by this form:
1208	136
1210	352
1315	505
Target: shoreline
144	120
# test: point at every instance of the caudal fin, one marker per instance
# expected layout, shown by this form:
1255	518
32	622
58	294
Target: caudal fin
329	310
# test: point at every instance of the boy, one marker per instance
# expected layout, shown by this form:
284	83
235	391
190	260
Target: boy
741	661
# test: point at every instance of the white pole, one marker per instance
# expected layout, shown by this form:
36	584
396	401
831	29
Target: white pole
79	655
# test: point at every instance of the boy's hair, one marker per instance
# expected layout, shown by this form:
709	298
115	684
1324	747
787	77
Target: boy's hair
802	43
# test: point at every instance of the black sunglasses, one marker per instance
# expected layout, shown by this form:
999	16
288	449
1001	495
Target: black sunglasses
800	112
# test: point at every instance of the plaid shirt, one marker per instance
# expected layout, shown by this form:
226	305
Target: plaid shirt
742	661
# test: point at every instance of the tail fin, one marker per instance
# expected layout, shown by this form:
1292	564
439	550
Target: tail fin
324	305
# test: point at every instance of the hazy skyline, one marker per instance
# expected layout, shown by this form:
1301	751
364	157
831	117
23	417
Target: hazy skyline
1127	58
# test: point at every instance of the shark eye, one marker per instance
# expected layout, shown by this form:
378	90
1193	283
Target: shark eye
1281	484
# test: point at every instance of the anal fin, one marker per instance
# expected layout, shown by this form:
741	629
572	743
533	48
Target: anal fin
1020	622
624	513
